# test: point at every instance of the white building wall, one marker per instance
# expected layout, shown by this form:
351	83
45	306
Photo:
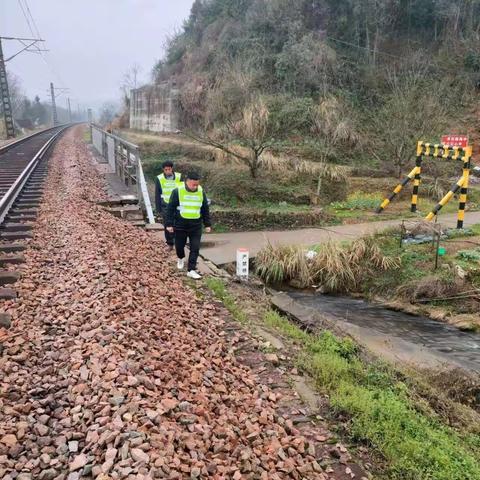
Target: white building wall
154	108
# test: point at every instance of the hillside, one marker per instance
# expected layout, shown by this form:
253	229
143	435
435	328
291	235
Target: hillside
341	81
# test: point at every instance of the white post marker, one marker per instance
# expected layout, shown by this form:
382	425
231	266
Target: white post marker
242	263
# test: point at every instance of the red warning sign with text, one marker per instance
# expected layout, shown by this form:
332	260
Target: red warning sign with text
455	140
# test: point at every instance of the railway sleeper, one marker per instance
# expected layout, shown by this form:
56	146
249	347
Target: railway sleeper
26	205
33	190
23	211
7	278
11	260
21	218
7	294
15	235
16	227
12	247
5	320
27	198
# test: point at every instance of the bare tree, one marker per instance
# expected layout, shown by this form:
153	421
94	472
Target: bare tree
411	113
107	113
334	127
129	82
17	96
246	138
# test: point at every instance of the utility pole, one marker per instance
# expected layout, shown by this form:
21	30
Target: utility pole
69	111
53	96
4	92
90	116
54	106
6	104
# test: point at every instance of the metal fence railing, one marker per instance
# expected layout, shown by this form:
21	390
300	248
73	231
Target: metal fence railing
125	160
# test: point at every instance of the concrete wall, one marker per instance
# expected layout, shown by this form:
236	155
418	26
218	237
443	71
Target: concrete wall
154	108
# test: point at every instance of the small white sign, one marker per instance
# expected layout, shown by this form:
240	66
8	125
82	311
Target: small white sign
242	263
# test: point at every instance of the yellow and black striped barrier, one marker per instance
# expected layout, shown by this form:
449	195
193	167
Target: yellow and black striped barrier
444	152
397	190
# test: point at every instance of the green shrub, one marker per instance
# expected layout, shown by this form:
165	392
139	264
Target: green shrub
291	114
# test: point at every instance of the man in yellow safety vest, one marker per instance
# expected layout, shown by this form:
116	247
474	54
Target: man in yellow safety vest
187	211
165	183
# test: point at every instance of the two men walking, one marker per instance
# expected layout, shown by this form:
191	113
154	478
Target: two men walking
185	210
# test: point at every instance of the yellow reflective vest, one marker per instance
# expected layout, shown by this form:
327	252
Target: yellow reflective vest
168	185
190	202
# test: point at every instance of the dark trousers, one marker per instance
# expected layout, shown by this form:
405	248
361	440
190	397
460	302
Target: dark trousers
194	236
169	237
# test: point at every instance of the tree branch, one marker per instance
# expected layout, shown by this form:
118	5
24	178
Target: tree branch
206	140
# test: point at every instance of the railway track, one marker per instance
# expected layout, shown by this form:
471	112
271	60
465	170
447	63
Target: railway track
23	169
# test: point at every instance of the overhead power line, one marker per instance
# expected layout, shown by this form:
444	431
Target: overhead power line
396	57
26	17
34	30
31	16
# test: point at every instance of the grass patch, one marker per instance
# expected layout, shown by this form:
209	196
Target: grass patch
475	229
264	205
234	187
381	411
220	228
359	201
218	288
289	329
417	278
87	136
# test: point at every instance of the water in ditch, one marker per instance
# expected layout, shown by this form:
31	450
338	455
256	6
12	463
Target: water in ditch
449	342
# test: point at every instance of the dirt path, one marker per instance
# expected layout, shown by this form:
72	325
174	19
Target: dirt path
221	248
115	370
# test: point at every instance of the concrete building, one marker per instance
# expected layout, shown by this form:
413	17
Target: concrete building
154	108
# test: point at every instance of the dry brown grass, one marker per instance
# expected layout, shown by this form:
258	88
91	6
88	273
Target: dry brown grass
277	264
333	120
325	170
277	162
431	287
340	268
336	267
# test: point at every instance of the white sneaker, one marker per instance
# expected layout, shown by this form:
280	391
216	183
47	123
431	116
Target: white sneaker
180	263
193	274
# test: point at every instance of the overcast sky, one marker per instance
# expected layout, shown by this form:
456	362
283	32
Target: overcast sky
91	42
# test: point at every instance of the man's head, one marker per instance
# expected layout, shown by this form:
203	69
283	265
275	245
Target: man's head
193	180
167	167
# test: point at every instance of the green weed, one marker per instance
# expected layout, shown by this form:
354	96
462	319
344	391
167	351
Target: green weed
415	445
359	201
217	286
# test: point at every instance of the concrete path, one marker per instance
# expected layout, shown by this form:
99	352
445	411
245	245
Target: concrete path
221	248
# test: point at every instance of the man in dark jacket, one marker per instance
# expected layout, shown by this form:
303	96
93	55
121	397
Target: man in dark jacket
165	183
187	210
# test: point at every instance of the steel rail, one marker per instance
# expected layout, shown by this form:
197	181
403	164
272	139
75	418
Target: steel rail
14	191
15	143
